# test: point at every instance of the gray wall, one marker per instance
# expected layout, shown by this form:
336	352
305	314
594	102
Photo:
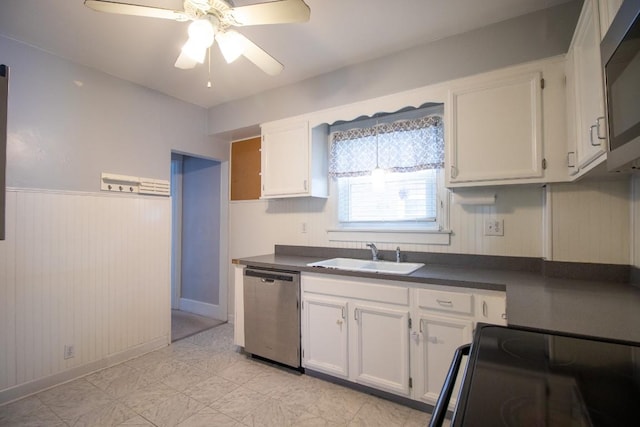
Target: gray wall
200	230
527	38
68	123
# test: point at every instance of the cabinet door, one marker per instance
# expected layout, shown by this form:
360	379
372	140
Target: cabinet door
285	160
492	309
588	87
381	353
439	338
325	335
496	129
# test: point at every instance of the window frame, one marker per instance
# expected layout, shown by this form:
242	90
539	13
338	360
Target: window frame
411	232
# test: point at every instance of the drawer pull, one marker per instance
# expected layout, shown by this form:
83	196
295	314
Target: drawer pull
445	303
484	309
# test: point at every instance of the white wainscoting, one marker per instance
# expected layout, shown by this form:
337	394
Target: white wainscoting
591	221
90	270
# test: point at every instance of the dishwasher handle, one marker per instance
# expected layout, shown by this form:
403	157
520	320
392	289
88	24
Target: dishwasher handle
440	410
269	276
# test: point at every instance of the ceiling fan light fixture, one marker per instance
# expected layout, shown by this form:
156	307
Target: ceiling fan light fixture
232	45
201	36
194	51
201	33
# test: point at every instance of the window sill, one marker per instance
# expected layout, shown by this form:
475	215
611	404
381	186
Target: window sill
416	236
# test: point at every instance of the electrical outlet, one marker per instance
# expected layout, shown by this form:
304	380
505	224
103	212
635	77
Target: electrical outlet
494	227
69	351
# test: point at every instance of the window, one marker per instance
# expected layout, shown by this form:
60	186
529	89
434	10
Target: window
388	175
402	197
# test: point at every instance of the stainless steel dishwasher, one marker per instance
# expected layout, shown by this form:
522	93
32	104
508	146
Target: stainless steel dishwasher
272	315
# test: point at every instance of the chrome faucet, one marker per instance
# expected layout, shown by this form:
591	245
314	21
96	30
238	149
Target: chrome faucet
374	251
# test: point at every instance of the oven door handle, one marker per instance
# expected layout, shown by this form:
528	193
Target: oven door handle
440	410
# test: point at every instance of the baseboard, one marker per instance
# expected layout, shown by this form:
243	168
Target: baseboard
41	384
201	308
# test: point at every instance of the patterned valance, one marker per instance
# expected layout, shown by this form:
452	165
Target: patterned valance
402	146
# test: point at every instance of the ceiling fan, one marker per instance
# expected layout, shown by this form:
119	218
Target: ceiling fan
212	20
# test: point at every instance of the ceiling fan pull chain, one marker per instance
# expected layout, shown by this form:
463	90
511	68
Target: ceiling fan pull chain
209	54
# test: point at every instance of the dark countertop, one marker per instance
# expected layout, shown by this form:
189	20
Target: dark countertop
593	308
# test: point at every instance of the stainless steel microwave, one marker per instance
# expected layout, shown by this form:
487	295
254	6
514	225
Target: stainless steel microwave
620	51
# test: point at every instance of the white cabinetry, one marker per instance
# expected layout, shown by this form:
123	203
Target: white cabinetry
356	330
492	309
325	333
445	319
495	132
294	159
445	322
440	336
388	336
608	10
585	88
382	347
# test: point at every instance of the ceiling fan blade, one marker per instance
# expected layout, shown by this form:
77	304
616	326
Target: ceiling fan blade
185	62
136	10
260	58
276	12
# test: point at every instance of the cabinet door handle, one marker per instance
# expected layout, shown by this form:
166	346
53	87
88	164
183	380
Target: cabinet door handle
571	159
591	135
344	316
445	303
355	314
305	185
420	325
598	127
454	172
484	308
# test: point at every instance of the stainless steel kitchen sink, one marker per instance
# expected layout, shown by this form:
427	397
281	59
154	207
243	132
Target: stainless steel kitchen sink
368	266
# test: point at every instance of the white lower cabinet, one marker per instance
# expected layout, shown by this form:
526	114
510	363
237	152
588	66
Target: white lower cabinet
438	339
387	335
492	309
325	333
357	330
381	351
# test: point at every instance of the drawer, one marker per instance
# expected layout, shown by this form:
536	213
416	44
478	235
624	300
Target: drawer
454	302
355	287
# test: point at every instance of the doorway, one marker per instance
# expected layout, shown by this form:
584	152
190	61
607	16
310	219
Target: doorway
198	288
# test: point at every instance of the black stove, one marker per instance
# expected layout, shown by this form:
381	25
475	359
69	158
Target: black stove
519	377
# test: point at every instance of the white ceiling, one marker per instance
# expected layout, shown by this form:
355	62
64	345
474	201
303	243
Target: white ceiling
339	33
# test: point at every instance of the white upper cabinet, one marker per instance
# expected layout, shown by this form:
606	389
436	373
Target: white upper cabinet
608	10
294	160
494	126
585	89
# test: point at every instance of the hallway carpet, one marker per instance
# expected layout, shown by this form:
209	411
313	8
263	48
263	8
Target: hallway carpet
185	324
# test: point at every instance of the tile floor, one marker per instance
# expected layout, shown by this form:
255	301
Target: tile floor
204	381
